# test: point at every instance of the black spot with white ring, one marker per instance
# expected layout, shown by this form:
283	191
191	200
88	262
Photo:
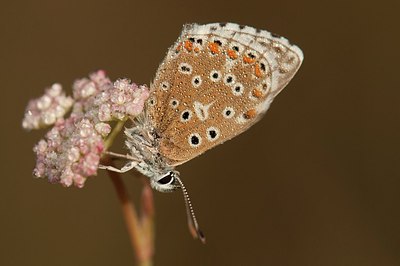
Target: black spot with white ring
174	103
194	140
237	47
251	55
212	133
196	81
228	112
185	68
218	42
265	86
229	79
215	75
164	85
186	115
152	101
237	89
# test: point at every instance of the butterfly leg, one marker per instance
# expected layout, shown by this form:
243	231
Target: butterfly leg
118	155
128	166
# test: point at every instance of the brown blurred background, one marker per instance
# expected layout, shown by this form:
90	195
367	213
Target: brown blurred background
314	183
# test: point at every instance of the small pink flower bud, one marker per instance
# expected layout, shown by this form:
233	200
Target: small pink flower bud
103	129
47	109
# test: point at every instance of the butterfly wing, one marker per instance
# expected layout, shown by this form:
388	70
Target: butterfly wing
216	81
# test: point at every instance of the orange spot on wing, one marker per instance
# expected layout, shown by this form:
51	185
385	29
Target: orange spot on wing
188	46
232	54
248	59
179	47
250	114
197	49
257	93
257	71
214	47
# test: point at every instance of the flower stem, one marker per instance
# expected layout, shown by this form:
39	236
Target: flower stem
116	129
141	231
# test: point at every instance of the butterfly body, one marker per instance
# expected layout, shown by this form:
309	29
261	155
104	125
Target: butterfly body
143	143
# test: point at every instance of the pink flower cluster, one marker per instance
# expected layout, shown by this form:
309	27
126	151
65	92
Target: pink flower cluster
45	110
71	150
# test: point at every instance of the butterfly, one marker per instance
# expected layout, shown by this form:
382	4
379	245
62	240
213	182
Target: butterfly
215	82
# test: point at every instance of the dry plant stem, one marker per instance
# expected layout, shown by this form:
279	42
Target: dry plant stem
147	217
140	231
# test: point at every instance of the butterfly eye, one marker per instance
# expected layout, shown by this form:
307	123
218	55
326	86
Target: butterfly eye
167	179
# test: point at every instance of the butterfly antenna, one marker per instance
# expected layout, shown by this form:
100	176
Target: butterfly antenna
192	222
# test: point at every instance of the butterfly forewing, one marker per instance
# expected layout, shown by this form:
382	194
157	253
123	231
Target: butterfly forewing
215	82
